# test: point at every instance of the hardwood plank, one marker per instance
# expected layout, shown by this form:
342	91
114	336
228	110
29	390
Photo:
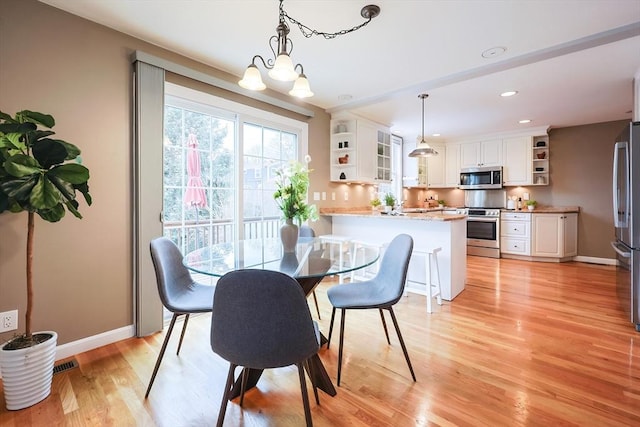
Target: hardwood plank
525	344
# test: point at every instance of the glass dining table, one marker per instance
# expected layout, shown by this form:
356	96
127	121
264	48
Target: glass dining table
312	260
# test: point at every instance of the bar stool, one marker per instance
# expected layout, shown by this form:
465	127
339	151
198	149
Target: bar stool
342	244
434	289
359	247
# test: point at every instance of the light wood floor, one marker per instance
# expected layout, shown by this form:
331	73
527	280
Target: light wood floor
524	344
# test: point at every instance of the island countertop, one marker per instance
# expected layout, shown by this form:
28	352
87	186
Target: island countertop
428	216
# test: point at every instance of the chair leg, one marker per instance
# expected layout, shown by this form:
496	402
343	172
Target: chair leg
243	386
305	396
404	348
225	395
384	325
161	355
333	315
315	299
342	313
313	383
184	328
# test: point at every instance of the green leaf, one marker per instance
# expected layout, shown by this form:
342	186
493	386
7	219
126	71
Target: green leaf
4	202
19	189
54	214
20	165
72	150
71	172
32	116
6	117
66	188
12	141
84	189
44	194
49	152
72	205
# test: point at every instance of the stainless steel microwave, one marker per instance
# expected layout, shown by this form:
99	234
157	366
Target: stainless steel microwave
482	178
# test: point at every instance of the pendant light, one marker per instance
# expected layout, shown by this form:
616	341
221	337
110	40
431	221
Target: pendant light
423	149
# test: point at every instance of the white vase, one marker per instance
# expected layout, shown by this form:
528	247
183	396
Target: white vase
530	207
388	209
27	373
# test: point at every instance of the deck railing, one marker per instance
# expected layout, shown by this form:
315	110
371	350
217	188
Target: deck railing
192	235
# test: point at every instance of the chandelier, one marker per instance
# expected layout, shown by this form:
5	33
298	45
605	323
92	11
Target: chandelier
423	149
281	66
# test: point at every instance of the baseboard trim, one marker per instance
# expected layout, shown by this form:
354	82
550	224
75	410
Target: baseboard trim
89	343
595	260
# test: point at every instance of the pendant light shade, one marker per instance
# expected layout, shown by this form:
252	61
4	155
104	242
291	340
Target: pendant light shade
301	87
423	149
252	79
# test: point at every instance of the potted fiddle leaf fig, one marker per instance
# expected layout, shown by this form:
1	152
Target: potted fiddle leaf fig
38	175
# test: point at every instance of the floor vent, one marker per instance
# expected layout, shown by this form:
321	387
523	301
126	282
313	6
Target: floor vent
65	366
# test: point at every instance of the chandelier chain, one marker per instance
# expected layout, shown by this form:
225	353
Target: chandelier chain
309	32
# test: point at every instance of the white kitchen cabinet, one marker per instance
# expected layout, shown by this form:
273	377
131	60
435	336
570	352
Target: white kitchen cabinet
353	152
554	235
515	233
383	156
516	155
414	169
483	153
436	167
452	166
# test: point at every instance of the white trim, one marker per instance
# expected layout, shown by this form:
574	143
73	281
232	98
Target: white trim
89	343
595	260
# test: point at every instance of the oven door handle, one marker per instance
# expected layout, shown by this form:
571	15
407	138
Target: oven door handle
482	219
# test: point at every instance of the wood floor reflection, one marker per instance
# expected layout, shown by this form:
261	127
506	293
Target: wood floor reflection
524	344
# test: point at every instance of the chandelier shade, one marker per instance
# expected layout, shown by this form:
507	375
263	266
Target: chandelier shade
281	66
423	149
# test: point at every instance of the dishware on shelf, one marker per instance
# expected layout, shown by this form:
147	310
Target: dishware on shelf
344	159
541	155
539	169
541	144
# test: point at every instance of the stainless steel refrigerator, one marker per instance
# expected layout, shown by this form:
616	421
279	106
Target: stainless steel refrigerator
626	214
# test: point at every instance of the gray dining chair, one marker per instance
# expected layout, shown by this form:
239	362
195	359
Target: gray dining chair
179	293
261	320
306	231
382	293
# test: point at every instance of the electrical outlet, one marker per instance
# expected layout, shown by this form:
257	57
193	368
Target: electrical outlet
9	320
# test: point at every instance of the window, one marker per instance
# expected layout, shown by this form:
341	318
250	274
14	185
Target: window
219	163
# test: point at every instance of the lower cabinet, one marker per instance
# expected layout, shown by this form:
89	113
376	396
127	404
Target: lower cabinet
515	233
554	235
539	236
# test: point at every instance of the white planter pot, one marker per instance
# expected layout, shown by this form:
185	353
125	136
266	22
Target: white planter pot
27	372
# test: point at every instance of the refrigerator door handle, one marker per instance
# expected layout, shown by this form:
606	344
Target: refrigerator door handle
622	253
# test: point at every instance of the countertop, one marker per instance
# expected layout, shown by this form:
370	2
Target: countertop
436	215
548	209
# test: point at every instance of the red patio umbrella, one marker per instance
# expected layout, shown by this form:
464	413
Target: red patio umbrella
194	196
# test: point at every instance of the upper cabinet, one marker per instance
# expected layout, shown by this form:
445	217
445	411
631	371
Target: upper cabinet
360	151
414	169
436	167
482	153
516	153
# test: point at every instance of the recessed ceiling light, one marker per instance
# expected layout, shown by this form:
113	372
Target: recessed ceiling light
509	93
345	97
524	121
494	51
436	134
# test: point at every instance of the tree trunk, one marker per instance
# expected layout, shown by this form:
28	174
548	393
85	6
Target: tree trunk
27	316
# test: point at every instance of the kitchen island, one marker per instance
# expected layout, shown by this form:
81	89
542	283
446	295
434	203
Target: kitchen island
429	230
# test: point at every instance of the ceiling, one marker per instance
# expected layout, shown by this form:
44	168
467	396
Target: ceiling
571	61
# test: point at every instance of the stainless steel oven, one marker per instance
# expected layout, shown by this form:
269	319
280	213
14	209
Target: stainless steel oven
483	232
